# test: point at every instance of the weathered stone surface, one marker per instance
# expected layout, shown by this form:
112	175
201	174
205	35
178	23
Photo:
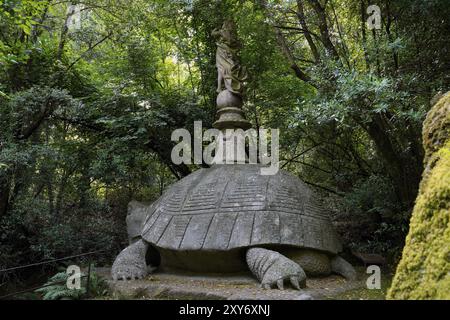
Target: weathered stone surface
130	263
227	99
436	127
213	219
342	267
137	212
231	73
229	112
314	263
224	287
271	268
232	206
424	270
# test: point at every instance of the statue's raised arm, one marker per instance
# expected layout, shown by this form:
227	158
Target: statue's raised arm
230	72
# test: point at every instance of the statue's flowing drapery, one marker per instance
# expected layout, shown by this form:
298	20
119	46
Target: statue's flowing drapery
230	70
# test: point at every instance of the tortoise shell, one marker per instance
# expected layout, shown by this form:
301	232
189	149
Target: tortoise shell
233	206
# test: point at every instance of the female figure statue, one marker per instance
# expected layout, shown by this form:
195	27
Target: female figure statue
230	73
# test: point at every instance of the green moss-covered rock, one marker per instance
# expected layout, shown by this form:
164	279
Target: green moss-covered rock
424	270
436	128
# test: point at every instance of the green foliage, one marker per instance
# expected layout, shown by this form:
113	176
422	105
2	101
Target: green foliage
86	114
56	287
371	218
424	270
372	195
436	128
18	16
357	96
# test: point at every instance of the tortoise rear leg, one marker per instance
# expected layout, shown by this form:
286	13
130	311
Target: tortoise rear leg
270	267
131	262
342	267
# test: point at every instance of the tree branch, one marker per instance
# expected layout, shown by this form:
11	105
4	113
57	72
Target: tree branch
89	50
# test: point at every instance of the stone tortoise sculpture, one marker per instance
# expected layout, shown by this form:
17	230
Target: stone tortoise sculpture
229	218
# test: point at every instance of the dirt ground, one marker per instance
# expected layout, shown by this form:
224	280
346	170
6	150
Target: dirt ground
162	286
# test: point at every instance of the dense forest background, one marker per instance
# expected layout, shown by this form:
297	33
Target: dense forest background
90	92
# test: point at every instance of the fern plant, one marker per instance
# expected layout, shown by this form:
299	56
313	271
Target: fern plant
56	287
97	286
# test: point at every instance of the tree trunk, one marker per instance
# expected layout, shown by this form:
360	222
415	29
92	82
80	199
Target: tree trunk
405	184
5	189
302	20
323	27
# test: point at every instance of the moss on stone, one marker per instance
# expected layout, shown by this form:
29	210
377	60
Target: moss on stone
436	128
424	270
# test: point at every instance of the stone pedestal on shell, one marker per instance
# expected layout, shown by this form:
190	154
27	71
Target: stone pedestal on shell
229	112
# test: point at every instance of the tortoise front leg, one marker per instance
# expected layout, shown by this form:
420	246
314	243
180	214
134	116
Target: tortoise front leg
130	263
270	267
